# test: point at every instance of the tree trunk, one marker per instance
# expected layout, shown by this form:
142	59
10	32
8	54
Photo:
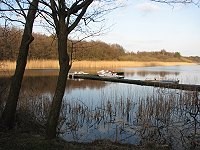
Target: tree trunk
53	118
8	116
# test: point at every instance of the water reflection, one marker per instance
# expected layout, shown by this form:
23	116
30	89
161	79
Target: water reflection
152	73
48	84
120	112
185	74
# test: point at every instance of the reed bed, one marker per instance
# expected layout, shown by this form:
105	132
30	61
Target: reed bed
31	64
165	117
117	64
53	64
168	117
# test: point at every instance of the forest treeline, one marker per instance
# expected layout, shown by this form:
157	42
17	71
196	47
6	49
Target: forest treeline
45	47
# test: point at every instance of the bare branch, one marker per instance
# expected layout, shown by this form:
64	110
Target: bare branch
80	15
23	13
41	14
11	8
12	20
75	7
54	14
170	2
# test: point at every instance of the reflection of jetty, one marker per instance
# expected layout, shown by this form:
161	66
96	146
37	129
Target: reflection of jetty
189	87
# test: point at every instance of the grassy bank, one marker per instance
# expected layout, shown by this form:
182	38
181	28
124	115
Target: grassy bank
53	64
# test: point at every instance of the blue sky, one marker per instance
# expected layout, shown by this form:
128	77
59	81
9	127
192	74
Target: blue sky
148	26
142	25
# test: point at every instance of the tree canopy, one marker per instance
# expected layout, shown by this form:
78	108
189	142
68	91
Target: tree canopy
44	47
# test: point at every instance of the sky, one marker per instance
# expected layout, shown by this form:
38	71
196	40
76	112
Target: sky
143	25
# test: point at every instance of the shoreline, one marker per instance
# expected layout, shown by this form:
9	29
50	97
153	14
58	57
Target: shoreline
117	64
53	64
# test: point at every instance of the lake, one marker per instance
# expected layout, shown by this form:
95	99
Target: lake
120	112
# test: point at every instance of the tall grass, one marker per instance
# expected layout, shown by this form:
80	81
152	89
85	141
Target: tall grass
165	119
168	117
53	64
32	64
117	64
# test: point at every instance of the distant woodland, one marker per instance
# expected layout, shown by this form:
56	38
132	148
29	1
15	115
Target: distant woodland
44	47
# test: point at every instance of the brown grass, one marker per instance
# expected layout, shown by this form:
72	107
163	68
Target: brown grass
115	64
53	64
32	64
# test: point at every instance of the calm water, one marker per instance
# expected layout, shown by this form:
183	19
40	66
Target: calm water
186	74
122	112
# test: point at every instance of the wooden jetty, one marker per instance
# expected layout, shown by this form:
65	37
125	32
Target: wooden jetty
188	87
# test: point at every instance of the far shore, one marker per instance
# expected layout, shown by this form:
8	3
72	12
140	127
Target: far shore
53	64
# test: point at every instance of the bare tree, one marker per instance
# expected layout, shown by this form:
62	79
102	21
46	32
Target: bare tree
67	17
10	38
64	17
8	116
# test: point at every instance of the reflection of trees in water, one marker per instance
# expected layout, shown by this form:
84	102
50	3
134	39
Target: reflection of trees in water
156	73
83	84
37	91
47	84
168	117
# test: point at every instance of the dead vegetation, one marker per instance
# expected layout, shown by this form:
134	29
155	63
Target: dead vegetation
53	64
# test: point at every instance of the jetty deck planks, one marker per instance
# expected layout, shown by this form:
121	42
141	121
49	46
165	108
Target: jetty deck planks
189	87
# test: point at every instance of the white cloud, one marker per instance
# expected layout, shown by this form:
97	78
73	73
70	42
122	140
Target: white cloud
147	7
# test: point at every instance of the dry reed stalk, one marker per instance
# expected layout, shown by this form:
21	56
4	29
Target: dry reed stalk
8	65
32	64
44	64
114	64
53	64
